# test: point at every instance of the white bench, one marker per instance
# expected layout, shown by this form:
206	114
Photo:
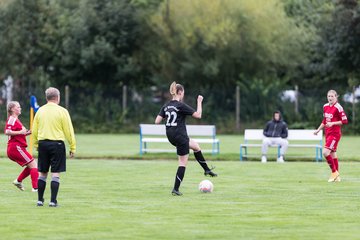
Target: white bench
303	135
156	133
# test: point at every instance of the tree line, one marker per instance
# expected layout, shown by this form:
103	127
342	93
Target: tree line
211	47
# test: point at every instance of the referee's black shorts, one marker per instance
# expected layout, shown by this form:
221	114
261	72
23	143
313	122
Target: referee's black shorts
51	154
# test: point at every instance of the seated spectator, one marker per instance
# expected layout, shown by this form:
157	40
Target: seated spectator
275	133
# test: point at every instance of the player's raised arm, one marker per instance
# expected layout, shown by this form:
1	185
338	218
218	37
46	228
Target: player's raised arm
198	112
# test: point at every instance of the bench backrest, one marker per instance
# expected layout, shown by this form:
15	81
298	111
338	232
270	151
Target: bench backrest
293	134
193	130
152	129
253	134
304	134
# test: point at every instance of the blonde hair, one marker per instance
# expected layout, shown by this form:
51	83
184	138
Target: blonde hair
334	92
175	88
10	106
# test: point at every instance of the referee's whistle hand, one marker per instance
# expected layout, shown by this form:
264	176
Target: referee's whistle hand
72	154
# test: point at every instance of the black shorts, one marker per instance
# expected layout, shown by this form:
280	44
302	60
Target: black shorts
51	154
181	142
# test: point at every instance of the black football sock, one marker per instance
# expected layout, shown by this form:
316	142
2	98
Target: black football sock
201	160
55	182
41	188
179	177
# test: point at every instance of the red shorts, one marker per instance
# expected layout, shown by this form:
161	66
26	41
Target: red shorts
332	142
19	154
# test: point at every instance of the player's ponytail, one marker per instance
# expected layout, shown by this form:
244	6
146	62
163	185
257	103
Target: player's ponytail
175	88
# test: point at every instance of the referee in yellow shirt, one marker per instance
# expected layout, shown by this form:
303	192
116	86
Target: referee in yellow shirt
52	125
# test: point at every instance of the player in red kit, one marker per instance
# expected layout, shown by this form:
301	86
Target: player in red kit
334	118
16	149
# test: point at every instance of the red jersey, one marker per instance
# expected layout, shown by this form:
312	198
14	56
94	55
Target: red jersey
14	124
334	113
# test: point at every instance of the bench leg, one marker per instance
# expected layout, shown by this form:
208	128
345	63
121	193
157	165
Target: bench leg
242	150
318	154
141	148
145	147
215	149
241	157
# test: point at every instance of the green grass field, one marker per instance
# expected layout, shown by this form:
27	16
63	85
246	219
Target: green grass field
126	146
110	199
102	198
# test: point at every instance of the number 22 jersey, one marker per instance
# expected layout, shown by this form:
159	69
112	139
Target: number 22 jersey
175	113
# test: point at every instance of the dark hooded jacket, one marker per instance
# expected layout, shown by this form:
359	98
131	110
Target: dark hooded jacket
275	128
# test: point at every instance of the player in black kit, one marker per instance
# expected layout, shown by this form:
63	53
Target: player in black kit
175	113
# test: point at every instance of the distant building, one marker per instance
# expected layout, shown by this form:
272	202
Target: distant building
348	97
288	95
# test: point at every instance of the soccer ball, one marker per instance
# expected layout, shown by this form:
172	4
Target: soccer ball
206	186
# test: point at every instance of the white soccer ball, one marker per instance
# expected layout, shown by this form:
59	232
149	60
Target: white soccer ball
206	186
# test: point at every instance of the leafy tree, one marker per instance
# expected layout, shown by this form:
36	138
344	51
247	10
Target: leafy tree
97	44
27	43
99	39
334	54
86	44
219	44
338	47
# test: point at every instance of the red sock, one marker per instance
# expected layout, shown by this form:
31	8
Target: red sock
34	177
23	174
336	163
331	163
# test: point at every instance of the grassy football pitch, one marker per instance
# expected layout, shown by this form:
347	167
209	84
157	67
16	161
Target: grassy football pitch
126	146
130	199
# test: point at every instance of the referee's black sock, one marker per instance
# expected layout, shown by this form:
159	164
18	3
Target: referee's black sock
41	188
179	177
201	160
55	182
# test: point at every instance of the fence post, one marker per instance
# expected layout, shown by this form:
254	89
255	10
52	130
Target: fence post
124	100
353	106
238	108
296	99
67	93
